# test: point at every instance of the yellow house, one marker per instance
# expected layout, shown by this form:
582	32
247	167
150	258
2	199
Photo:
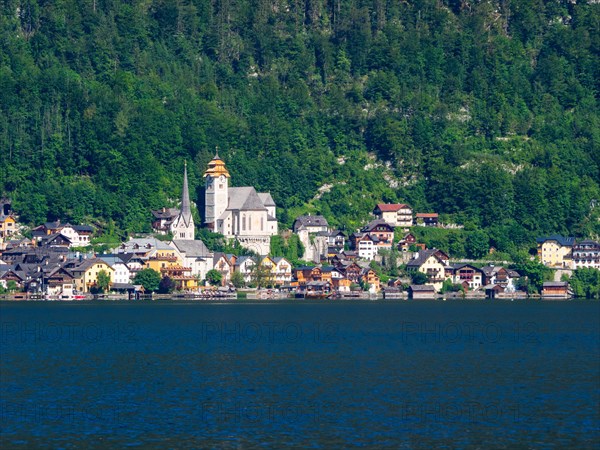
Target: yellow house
432	263
86	273
370	277
163	258
272	266
168	263
556	251
8	226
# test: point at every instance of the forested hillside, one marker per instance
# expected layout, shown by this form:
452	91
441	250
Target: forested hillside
484	111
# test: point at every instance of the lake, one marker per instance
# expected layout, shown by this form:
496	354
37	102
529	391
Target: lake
322	374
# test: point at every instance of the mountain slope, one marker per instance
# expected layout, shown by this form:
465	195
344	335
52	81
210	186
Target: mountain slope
485	111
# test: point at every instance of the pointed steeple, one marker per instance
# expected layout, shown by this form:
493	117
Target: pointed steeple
186	210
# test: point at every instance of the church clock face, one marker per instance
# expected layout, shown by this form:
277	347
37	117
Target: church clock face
222	178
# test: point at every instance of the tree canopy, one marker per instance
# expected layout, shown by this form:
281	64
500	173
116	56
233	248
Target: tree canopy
486	112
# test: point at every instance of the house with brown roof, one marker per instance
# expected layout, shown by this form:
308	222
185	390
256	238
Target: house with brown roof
406	242
396	214
468	276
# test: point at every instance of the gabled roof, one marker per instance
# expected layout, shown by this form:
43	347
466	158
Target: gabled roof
166	213
87	263
144	244
563	241
462	265
391	207
555	284
244	198
422	257
55	237
83	228
310	221
375	223
191	248
278	259
220	255
111	260
244	259
422	288
266	199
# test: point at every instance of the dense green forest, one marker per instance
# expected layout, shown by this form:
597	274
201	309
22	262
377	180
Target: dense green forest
484	111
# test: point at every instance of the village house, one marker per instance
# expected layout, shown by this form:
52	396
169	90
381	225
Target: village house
56	240
180	276
163	219
468	276
312	224
282	270
8	226
396	214
556	251
303	274
195	255
78	235
364	244
586	254
60	282
500	276
383	231
427	219
85	273
336	240
121	272
313	232
352	271
224	264
369	277
245	265
432	263
407	241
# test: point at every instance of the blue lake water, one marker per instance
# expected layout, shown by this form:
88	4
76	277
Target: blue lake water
335	374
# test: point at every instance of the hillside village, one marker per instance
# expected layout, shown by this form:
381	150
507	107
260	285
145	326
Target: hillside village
57	260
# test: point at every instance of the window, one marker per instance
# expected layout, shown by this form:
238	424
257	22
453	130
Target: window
243	223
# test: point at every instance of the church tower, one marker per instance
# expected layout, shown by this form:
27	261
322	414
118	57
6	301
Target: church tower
183	225
215	191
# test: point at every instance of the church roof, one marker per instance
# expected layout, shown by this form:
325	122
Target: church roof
216	167
266	198
244	199
186	210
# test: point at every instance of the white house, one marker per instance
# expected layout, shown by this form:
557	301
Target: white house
121	272
195	255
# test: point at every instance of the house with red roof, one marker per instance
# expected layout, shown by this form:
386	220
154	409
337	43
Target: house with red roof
396	214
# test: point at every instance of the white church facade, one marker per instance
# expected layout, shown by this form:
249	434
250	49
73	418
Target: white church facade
238	212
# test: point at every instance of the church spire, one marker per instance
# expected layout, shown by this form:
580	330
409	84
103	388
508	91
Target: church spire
186	210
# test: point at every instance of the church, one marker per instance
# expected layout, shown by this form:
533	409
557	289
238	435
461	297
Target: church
178	222
238	212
